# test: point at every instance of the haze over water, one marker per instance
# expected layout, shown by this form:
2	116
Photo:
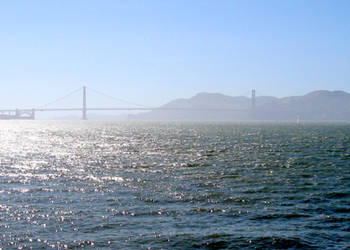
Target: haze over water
174	185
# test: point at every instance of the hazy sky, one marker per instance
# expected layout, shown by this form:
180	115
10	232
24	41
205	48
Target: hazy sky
150	52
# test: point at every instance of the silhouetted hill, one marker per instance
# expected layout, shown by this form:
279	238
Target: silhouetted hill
319	105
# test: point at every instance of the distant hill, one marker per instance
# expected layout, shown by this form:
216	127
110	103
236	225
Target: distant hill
319	105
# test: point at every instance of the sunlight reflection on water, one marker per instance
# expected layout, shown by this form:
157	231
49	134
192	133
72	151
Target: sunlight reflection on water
178	185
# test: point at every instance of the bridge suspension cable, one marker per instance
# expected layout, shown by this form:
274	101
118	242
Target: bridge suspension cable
19	113
60	99
117	99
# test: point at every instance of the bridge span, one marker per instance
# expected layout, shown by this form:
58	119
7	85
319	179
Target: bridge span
29	114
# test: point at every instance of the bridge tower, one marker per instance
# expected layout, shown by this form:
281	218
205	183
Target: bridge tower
253	107
84	104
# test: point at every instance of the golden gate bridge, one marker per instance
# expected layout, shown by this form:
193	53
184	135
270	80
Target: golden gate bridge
29	114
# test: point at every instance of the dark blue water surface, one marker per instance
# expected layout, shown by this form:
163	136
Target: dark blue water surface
174	185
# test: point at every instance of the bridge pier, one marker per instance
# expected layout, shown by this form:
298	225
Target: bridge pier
18	114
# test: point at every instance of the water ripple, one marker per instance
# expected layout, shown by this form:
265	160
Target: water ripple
174	185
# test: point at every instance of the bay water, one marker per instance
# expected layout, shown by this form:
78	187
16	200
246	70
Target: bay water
173	185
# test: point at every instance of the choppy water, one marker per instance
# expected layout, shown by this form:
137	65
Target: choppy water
174	185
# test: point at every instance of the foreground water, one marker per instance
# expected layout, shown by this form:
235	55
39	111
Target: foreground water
174	185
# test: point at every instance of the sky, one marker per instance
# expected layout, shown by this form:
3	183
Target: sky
150	52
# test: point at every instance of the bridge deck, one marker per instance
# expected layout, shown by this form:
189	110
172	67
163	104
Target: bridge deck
30	113
111	109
